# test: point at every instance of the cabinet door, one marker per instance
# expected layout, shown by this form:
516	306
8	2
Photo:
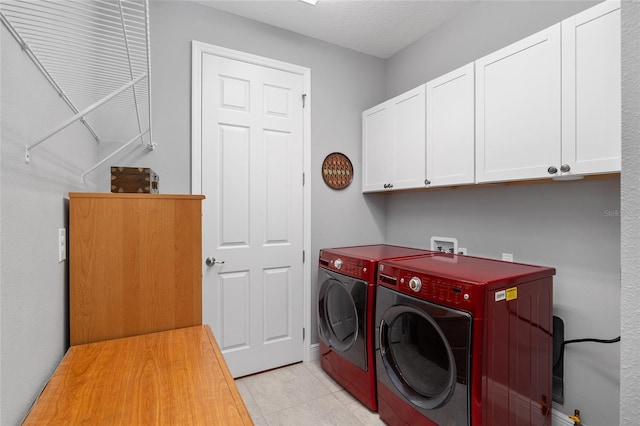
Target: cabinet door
450	128
377	147
591	117
409	117
135	264
518	132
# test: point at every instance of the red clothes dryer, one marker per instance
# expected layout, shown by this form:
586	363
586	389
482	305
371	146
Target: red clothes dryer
462	340
346	304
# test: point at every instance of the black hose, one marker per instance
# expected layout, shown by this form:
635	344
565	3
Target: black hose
566	342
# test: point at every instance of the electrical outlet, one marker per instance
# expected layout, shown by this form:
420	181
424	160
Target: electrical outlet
507	257
462	250
62	245
444	244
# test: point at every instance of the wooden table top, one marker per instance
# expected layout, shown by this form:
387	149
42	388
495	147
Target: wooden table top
175	377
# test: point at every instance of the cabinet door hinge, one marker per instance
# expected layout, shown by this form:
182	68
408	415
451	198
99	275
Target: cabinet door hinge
304	98
303	333
303	256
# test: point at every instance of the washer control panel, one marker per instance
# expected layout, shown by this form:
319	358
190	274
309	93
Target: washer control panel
356	268
438	289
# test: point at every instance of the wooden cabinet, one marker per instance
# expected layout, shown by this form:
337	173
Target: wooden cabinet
450	128
394	143
591	98
135	264
518	130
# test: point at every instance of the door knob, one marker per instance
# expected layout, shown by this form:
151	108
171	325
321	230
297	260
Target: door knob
212	261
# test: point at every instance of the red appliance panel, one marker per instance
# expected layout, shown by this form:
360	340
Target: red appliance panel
493	273
467	296
360	384
518	362
361	261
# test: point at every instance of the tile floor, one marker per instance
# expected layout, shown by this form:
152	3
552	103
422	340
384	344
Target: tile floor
302	394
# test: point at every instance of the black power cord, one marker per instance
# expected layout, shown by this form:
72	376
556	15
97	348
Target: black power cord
566	342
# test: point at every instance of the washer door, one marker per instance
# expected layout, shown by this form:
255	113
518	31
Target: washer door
342	303
423	355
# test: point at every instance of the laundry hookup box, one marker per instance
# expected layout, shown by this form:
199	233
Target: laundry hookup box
134	179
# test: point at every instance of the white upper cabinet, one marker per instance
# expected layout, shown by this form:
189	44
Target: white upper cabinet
393	135
450	128
591	104
550	105
377	148
518	106
547	106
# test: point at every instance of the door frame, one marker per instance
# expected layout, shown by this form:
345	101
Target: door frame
197	50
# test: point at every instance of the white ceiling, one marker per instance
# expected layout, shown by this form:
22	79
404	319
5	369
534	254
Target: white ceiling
376	27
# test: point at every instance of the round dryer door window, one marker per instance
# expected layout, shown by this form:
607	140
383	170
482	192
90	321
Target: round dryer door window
341	316
417	357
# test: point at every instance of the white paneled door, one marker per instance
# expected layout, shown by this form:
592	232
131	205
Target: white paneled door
252	176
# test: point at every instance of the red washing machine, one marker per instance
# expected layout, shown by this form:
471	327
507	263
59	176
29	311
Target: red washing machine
463	340
346	304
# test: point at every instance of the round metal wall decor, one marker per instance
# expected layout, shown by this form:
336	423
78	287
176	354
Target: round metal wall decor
337	170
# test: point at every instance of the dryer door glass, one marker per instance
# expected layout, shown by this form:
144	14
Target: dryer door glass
342	303
342	317
417	355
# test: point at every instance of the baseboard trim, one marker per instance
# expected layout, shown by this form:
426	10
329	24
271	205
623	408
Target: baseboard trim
558	418
313	353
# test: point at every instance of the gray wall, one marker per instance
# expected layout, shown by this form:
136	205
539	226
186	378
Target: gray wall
630	314
474	33
34	285
572	226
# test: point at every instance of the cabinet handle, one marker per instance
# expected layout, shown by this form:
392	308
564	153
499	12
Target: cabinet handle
390	185
386	185
427	182
565	168
552	170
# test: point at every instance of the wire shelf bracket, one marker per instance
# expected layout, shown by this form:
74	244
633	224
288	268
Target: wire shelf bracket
92	53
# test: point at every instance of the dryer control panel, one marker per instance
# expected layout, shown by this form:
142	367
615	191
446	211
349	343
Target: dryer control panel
467	296
355	268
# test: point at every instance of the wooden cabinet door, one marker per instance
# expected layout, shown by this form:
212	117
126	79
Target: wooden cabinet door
377	147
518	133
450	128
135	264
409	118
591	117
